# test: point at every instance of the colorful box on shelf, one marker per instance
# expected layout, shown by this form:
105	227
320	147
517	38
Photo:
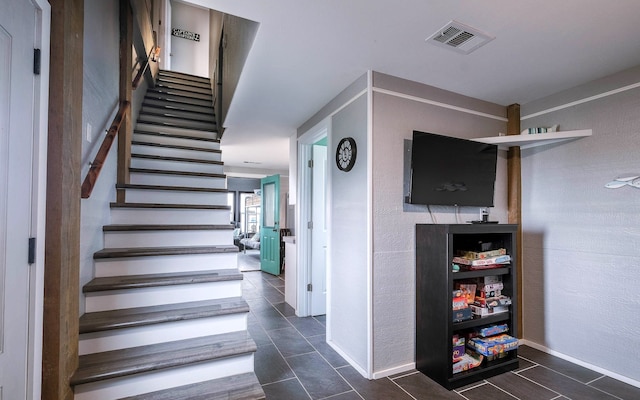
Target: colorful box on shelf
462	314
493	345
467	361
491	302
485	311
491	330
458	347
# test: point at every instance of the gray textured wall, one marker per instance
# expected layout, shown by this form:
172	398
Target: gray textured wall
394	119
581	240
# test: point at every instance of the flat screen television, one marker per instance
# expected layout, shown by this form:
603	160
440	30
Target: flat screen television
449	171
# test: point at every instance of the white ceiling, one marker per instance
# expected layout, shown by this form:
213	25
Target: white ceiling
307	51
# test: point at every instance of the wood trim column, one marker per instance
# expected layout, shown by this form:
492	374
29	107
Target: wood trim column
514	198
62	243
126	70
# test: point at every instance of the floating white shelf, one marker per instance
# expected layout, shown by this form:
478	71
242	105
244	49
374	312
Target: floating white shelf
531	140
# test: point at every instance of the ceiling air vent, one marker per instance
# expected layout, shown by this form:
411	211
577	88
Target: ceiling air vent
459	37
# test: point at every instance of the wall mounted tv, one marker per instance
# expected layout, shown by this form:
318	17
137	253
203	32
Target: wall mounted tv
449	171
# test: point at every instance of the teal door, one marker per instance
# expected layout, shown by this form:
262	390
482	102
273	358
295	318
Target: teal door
269	225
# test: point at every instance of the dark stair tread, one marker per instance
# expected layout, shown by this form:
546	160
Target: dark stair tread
143	316
176	136
179	123
129	361
200	83
132	228
177	106
155	280
153	109
182	173
109	253
178	99
171	188
145	115
180	93
177	159
175	206
235	387
183	75
184	85
175	146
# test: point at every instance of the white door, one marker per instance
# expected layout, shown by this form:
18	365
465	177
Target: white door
319	232
17	38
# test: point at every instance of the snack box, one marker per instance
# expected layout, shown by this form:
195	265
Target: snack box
484	311
493	345
491	330
462	314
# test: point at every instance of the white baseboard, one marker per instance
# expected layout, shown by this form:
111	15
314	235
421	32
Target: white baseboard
392	371
348	359
581	363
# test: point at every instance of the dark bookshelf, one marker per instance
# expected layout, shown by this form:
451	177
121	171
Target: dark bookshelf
436	245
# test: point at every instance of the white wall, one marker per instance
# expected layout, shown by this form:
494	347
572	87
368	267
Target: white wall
99	103
395	116
581	263
348	238
189	56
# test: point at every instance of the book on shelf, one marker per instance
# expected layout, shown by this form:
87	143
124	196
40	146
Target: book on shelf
482	254
503	259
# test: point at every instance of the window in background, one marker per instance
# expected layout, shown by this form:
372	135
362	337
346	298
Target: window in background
231	202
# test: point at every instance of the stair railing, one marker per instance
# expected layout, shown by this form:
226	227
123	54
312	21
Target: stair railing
96	166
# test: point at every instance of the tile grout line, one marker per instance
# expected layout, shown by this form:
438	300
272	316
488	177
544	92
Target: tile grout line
277	349
502	390
312	346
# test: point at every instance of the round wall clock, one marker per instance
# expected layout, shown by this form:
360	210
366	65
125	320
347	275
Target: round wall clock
346	154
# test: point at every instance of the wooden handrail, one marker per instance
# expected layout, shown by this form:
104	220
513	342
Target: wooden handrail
101	156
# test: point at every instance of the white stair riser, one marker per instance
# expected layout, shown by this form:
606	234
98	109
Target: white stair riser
168	216
164	379
164	264
176	131
176	141
155	296
175	197
159	333
141	178
168	238
173	152
166	165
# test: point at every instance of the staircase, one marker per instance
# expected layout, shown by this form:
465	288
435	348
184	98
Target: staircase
165	318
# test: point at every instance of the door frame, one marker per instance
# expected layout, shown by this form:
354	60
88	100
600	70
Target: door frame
38	199
303	215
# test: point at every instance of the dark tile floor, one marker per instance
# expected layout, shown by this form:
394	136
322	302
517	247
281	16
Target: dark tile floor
294	362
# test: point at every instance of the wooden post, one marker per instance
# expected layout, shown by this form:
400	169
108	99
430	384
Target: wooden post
62	243
126	70
514	198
